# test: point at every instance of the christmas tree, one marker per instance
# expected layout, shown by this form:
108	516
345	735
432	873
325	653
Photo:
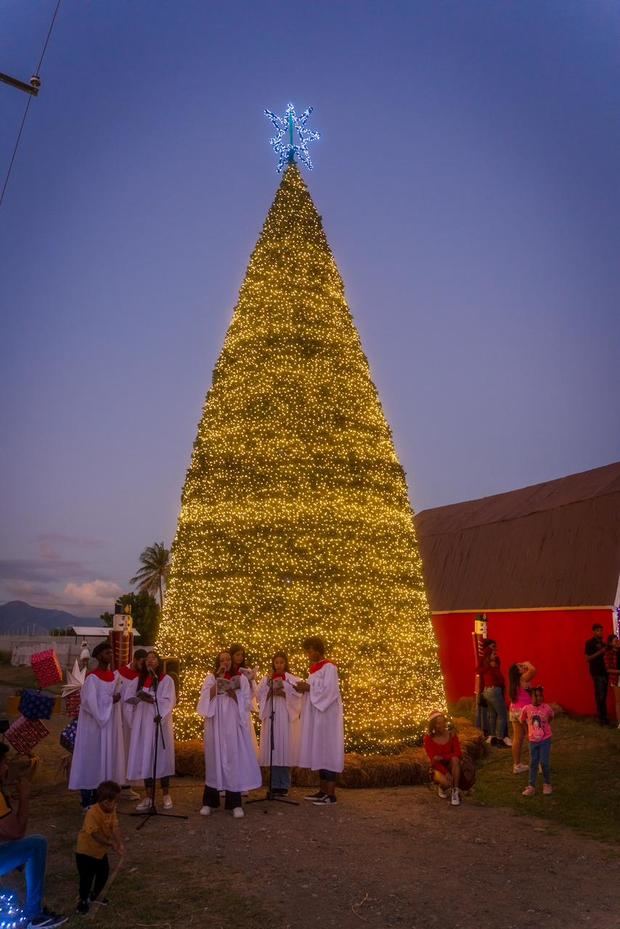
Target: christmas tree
295	518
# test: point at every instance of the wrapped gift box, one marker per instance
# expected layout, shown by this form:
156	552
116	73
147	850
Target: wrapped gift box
35	705
67	736
24	734
72	704
46	668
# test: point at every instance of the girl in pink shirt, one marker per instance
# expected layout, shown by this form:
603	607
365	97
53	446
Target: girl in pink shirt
537	716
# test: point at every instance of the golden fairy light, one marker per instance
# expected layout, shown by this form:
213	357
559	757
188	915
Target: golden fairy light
295	518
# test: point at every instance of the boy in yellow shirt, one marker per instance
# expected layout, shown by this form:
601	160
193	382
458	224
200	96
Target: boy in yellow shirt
99	832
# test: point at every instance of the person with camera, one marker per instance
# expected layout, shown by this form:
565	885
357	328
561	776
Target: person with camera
18	850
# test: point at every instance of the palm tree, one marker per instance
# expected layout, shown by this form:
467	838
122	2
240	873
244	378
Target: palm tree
153	575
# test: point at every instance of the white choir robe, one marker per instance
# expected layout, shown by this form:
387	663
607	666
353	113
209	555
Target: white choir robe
141	718
287	723
98	754
230	759
126	677
253	707
322	723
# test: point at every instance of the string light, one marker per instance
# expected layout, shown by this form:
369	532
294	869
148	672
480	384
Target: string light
295	518
284	144
11	914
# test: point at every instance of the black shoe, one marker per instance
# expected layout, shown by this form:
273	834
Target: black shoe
279	792
83	907
324	801
317	796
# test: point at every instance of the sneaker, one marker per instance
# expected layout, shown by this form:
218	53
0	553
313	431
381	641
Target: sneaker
238	812
100	901
205	810
47	920
547	789
325	800
529	791
317	796
490	739
128	793
520	768
507	742
167	802
442	793
455	798
144	805
82	907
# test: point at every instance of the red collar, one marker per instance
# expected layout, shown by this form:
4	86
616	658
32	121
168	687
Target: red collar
276	676
230	674
148	681
129	673
319	664
107	676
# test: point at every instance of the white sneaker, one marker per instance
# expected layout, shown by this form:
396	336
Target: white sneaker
238	812
144	805
205	810
167	802
442	793
130	794
489	740
507	741
520	768
455	797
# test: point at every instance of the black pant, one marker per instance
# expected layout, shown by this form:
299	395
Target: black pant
328	776
211	797
164	781
601	683
93	875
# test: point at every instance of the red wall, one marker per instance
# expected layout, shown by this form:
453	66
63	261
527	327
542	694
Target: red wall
553	640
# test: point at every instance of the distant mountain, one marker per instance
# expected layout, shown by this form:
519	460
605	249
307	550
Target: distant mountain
19	617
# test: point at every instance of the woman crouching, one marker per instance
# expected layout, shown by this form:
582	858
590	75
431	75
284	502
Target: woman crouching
443	748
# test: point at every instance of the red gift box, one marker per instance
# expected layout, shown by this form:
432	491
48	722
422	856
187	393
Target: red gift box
24	734
46	668
72	704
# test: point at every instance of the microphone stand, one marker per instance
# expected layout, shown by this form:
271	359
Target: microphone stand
270	796
153	811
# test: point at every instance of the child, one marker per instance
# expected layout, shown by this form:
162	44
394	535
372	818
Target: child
150	694
537	715
230	759
99	833
322	726
276	692
99	752
519	677
443	748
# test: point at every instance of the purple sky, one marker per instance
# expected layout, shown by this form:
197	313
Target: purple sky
468	177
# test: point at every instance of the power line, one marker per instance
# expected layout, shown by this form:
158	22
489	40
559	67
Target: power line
23	122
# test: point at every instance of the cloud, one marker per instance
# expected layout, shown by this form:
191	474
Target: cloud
51	544
43	570
99	594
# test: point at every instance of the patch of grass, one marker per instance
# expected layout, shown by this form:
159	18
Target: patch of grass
585	770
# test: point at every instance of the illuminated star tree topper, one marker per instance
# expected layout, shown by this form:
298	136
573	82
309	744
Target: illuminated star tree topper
284	144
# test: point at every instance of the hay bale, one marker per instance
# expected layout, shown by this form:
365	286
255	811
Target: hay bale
408	767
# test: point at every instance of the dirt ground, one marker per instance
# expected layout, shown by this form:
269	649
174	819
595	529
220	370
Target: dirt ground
379	858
